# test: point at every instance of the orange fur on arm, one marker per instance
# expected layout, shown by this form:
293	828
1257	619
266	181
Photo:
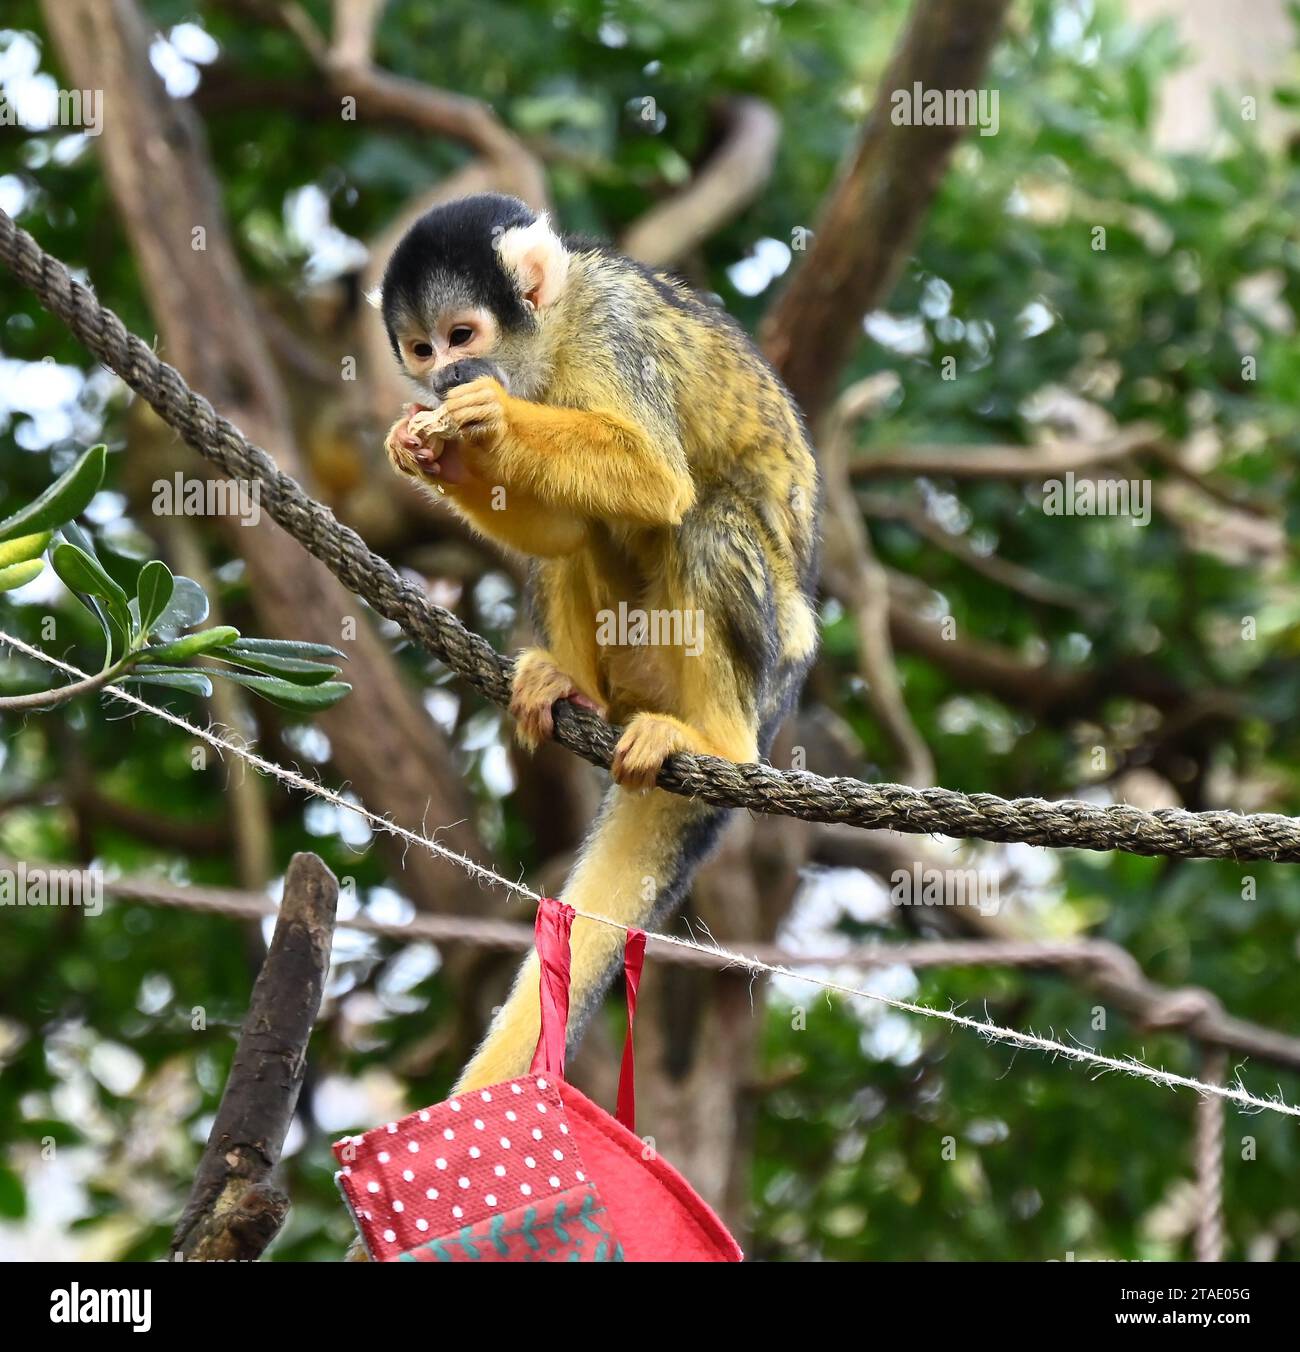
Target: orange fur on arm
596	463
517	520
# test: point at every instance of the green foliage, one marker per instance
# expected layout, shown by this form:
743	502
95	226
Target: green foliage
68	496
20	574
1049	335
163	607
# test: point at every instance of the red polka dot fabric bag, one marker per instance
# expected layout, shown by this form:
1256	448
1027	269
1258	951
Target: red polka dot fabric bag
530	1170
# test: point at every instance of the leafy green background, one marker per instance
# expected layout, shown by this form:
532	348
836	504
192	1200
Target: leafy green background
852	1112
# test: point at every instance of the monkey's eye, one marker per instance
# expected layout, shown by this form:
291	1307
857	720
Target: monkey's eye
422	350
460	335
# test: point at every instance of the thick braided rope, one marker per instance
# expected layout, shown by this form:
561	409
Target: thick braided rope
899	807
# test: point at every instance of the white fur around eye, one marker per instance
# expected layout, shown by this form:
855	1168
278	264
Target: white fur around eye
538	259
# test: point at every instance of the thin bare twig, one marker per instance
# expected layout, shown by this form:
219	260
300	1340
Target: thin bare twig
854	574
1004	462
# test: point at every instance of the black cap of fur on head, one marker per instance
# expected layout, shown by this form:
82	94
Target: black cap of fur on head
449	256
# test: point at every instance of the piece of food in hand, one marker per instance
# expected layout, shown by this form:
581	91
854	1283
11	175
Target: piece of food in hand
439	454
431	423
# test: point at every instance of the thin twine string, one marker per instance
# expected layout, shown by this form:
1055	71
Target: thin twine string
311	786
991	1032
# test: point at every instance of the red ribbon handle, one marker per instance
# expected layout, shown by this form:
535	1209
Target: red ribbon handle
554	925
633	961
554	929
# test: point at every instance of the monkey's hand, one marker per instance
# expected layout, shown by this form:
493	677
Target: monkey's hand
410	449
478	413
538	684
423	444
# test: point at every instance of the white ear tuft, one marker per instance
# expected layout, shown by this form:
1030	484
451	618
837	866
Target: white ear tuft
375	297
538	259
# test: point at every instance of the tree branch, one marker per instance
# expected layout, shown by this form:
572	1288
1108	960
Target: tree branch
1094	963
1013	576
1005	462
353	25
867	225
60	694
854	574
233	1213
347	63
727	182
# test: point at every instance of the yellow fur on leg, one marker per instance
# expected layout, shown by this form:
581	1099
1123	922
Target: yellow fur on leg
507	1051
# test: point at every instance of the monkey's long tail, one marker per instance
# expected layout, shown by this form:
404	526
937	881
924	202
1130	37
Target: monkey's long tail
635	866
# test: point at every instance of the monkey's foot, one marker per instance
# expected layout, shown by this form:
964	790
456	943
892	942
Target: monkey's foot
537	685
647	741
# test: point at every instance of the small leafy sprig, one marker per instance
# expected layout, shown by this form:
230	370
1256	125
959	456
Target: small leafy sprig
148	636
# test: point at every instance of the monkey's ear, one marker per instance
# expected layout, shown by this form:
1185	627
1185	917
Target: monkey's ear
375	297
536	256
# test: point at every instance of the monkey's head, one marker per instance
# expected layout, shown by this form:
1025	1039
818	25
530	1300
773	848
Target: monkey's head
473	279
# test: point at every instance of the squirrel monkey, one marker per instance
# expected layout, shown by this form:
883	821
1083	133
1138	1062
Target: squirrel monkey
599	418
